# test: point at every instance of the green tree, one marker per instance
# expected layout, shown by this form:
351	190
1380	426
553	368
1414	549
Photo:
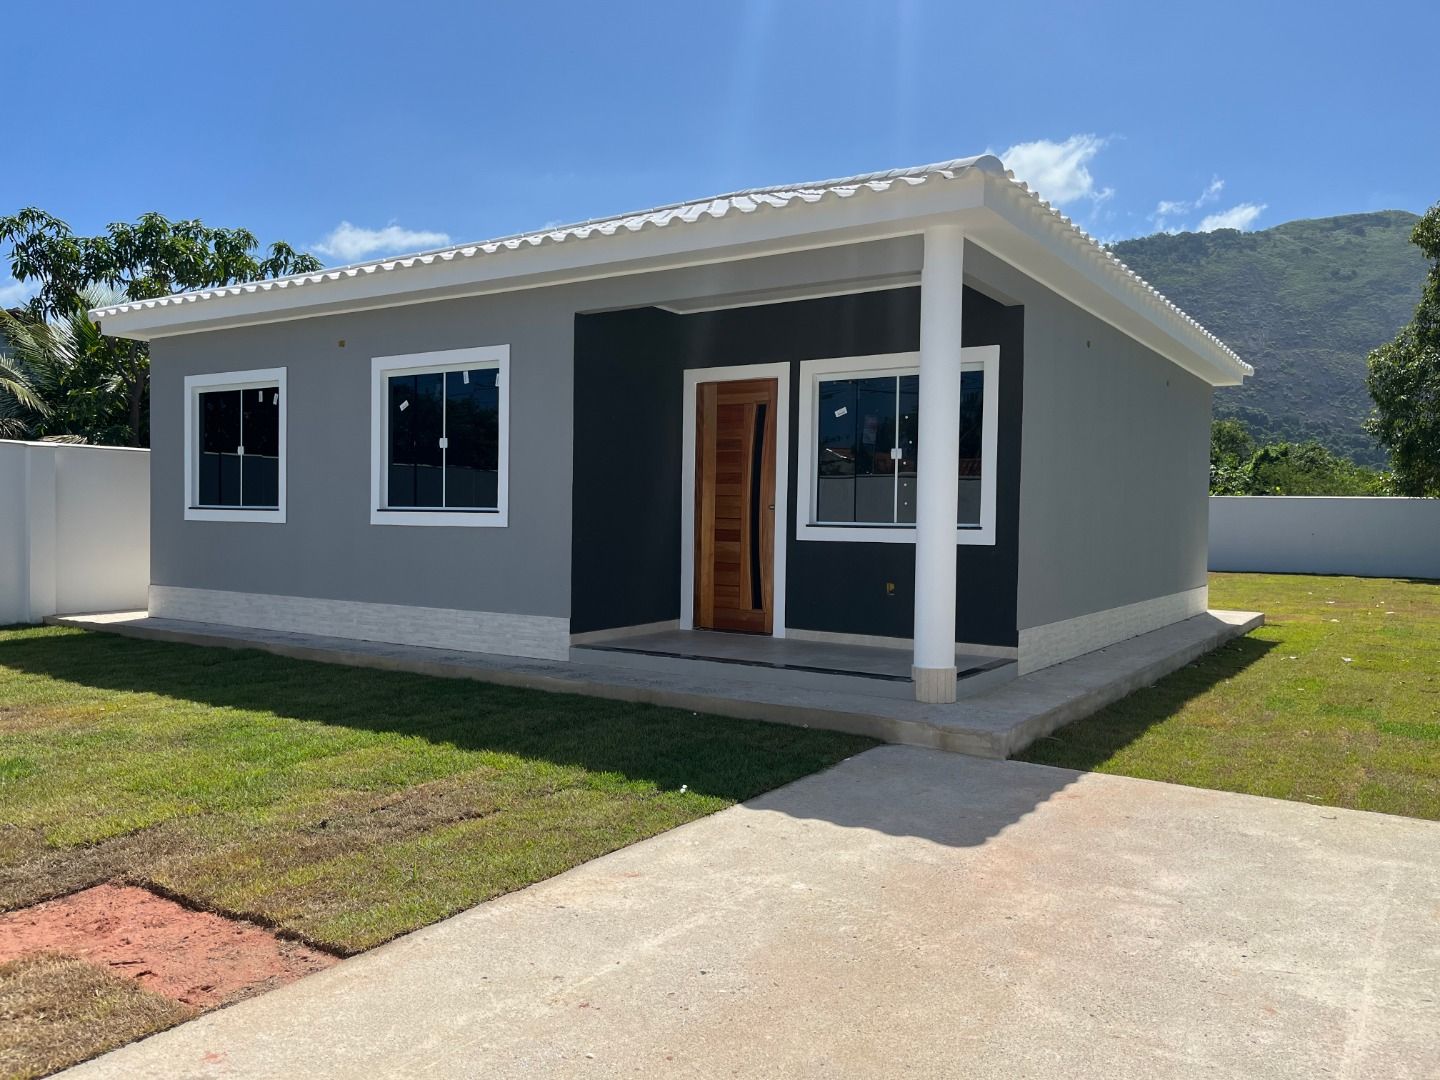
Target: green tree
150	258
1231	447
1239	467
1404	380
21	399
65	363
1308	469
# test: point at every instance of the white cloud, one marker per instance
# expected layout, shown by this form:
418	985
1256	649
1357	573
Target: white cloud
349	242
14	293
1241	217
1059	171
1211	192
1169	212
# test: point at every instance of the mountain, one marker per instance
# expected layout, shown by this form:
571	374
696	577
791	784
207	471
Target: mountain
1303	302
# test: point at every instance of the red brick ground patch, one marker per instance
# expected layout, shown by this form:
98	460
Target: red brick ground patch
194	957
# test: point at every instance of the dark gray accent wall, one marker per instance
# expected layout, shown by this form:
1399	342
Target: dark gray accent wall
628	430
625	542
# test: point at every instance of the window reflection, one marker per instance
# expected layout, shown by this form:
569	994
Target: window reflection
239	448
444	440
867	445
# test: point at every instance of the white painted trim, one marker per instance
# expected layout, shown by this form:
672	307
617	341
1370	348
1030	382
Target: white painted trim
233	380
780	372
543	637
876	641
984	358
862	214
423	363
977	194
1053	643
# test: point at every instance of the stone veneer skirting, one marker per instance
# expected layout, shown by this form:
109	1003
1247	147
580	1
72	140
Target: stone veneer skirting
540	636
1041	646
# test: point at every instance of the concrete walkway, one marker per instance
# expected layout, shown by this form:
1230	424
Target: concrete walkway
908	913
993	724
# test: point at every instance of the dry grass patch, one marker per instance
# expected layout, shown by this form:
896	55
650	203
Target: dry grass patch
56	1011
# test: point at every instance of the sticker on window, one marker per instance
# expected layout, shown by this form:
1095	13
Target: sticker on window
842	410
404	405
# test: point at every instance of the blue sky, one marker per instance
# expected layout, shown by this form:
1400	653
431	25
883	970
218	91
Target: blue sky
355	129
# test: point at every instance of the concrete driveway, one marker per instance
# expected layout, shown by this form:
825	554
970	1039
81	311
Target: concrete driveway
909	913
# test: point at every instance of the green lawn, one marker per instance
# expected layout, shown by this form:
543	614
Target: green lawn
1335	700
345	806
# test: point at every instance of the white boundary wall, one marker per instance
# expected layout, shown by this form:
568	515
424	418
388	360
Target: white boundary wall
1366	537
74	529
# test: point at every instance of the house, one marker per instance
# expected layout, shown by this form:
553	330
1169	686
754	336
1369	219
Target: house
917	409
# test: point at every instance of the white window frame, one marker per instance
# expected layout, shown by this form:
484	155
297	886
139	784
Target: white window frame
984	358
496	357
218	382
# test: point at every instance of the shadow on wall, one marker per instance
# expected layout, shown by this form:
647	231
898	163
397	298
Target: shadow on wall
715	756
1089	743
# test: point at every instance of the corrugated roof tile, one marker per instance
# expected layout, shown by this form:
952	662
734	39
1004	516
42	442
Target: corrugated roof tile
745	201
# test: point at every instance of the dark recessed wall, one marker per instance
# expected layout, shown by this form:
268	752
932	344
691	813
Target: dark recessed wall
629	369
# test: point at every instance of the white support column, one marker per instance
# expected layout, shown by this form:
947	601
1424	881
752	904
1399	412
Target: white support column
937	485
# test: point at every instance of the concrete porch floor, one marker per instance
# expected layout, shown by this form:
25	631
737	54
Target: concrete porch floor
993	724
871	670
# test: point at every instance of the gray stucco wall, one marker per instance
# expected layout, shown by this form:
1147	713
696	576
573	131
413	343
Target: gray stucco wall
1114	451
327	548
1115	465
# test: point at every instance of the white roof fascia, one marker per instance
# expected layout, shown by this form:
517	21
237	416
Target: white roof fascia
1054	252
997	212
845	214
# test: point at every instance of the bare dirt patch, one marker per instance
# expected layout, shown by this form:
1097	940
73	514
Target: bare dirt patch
193	957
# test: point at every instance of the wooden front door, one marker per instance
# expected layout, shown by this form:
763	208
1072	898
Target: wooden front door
735	505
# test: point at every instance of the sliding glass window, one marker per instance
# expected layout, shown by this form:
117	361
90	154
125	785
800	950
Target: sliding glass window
235	446
867	438
443	440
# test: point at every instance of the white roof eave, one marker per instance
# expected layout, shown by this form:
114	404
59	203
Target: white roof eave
738	225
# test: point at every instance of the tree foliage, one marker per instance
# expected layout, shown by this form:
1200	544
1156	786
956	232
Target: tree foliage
1238	466
1404	380
22	398
153	257
94	387
79	381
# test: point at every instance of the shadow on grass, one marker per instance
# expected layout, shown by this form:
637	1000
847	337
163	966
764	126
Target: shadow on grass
1089	743
945	798
731	759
